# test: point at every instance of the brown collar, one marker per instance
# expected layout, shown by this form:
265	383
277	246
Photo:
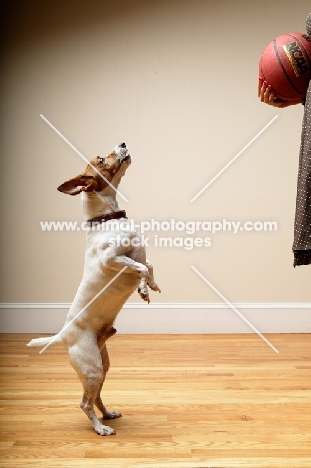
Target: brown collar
107	217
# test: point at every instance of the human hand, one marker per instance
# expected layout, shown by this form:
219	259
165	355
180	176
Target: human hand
267	95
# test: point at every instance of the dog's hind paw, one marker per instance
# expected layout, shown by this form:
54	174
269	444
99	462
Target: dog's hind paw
112	414
104	430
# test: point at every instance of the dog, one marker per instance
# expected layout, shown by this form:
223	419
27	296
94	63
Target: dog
115	265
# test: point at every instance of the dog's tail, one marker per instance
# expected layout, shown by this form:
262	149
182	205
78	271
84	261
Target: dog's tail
45	340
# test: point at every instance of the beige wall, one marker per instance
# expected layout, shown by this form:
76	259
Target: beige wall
176	80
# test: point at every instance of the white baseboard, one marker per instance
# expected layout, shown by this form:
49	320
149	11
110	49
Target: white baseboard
168	318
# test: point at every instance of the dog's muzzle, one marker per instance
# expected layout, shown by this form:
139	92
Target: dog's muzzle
126	158
122	153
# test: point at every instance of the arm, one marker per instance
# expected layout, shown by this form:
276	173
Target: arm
266	95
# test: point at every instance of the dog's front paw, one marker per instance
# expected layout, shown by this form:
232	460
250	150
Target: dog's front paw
144	294
102	430
153	285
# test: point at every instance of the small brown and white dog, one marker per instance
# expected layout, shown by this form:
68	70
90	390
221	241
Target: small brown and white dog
103	289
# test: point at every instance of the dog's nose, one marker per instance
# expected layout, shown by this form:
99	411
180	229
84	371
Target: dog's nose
122	145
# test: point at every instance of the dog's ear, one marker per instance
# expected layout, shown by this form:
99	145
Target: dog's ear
81	183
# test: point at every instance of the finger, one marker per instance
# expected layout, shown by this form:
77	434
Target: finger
266	94
260	81
271	95
263	91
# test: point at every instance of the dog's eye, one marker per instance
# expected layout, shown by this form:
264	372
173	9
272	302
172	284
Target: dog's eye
101	160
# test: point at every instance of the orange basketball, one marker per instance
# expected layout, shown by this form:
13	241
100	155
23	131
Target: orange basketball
286	65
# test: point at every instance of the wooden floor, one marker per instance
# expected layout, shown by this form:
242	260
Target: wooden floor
187	401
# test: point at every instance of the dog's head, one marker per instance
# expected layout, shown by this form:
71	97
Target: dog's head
100	173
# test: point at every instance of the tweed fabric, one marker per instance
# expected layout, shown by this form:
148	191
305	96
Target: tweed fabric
302	230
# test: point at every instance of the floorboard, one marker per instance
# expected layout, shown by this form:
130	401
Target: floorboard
188	401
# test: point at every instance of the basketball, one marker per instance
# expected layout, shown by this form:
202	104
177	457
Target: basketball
286	65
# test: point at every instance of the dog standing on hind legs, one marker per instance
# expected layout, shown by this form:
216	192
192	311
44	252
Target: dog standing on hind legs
118	247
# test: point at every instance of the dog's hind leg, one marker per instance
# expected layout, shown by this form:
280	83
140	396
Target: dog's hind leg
87	362
107	414
91	389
